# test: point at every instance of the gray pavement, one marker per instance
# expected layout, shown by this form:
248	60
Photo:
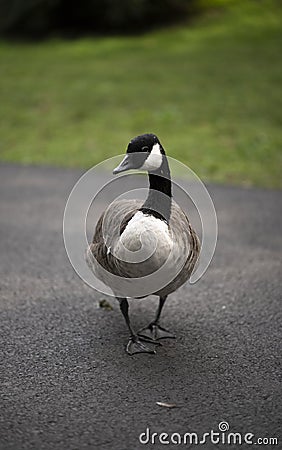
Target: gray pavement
66	382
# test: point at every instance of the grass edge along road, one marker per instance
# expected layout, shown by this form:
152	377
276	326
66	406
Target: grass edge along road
210	89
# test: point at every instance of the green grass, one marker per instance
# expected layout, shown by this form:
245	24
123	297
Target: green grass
211	90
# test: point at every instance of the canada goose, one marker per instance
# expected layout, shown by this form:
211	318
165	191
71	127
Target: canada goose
157	223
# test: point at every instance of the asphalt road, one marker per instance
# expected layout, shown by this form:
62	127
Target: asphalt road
66	382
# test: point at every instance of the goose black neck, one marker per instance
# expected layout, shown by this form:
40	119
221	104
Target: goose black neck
158	202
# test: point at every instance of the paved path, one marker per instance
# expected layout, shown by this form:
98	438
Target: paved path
66	382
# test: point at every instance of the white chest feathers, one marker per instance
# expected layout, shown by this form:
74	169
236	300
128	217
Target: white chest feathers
145	238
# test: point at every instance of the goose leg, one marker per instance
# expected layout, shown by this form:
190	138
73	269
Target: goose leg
154	330
136	344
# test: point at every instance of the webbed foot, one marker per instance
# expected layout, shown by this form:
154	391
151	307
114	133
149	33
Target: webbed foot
139	344
155	332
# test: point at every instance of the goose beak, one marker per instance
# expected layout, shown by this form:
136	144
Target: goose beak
126	164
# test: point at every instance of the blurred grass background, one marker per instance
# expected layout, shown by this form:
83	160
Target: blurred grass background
210	89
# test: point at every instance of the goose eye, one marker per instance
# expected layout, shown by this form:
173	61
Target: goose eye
145	149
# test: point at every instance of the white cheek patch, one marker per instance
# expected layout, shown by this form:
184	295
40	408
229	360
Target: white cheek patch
154	160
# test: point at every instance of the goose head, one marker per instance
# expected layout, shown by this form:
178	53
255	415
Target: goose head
144	152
